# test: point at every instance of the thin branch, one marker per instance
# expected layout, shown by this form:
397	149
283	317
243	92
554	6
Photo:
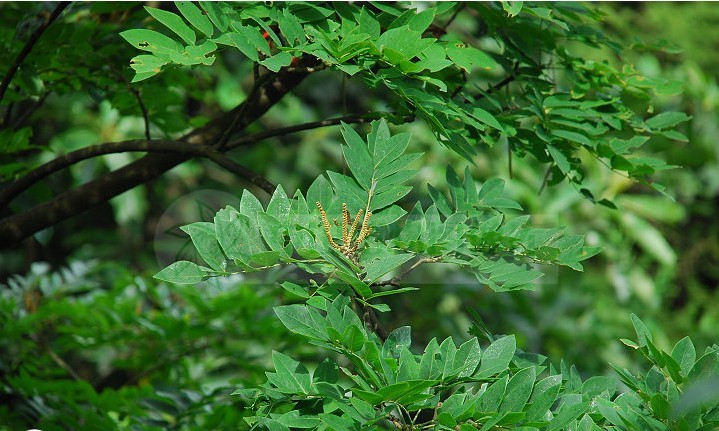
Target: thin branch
135	92
546	179
350	119
158	146
23	183
8	116
396	279
452	18
29	46
509	157
222	143
242	171
501	84
18	226
25	115
145	115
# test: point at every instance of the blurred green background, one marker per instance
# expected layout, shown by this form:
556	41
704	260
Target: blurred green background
79	304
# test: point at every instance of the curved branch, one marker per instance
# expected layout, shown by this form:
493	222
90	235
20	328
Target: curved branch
28	47
19	226
158	146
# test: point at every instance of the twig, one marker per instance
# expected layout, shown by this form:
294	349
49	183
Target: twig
396	279
452	18
28	47
64	365
501	84
138	145
135	92
224	139
509	157
240	170
8	116
25	115
546	179
353	119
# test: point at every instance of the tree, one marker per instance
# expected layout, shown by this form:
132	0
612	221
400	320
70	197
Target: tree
477	76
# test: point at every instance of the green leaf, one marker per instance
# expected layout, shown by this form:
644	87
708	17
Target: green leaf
512	7
467	57
402	392
387	216
486	118
467	358
598	385
302	320
518	390
357	157
279	206
174	23
408	367
194	15
327	371
320	191
388	197
667	119
293	419
295	289
543	397
490	399
497	356
205	241
148	40
218	13
291	27
382	264
147	66
291	374
684	354
273	232
397	340
643	334
430	366
386	151
240	42
573	137
277	61
183	272
402	42
348	191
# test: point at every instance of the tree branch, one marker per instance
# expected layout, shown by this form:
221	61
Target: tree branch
352	119
72	202
396	279
28	47
158	146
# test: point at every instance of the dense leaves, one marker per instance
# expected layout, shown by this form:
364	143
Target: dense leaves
541	91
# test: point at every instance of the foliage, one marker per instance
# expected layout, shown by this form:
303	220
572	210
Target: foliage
81	350
387	386
92	345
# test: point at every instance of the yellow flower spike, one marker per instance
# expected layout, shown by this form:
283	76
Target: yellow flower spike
345	224
348	247
354	224
326	225
365	230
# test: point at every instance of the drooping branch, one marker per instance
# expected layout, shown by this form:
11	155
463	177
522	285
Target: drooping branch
84	197
29	46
